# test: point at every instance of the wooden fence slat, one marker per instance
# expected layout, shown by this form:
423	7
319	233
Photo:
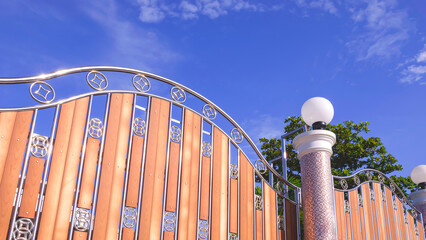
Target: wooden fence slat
356	226
411	224
246	198
348	226
168	236
403	229
379	211
172	177
12	168
134	172
368	217
31	187
219	186
270	212
391	214
421	230
154	170
340	215
77	235
7	120
89	172
290	220
205	188
259	225
128	234
233	206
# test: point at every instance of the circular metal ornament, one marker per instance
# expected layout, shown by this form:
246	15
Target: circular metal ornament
82	219
260	166
207	149
347	206
233	236
281	187
357	180
258	202
178	94
42	92
97	80
392	186
141	83
236	135
39	146
139	126
95	128
344	184
169	221
281	222
381	178
23	229
175	134
360	201
130	215
233	171
209	111
203	229
369	175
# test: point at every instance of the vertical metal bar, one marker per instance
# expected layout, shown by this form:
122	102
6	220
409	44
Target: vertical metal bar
80	168
148	109
45	172
229	186
211	178
98	170
179	176
166	170
334	204
298	202
238	193
200	161
126	176
254	205
284	158
22	178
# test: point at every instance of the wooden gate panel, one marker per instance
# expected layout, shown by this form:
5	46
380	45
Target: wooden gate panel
354	205
89	172
233	206
246	198
401	221
270	212
31	187
259	224
368	215
219	200
391	214
379	210
12	168
152	192
173	177
135	171
205	188
290	223
7	120
340	215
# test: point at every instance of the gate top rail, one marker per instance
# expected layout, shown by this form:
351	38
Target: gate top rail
369	177
97	69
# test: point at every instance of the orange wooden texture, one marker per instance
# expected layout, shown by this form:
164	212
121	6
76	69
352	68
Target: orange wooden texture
189	176
89	172
172	177
362	221
246	198
340	215
259	224
374	215
168	235
348	226
379	211
31	187
113	167
63	170
411	225
12	167
205	188
151	206
219	219
393	228
270	212
401	221
368	216
7	120
421	230
134	171
386	215
356	226
233	206
290	220
281	234
77	235
128	234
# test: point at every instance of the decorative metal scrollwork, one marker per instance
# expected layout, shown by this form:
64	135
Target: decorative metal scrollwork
233	236
141	83
42	92
139	126
95	128
233	171
23	229
395	206
357	180
372	196
414	213
347	206
207	149
169	221
383	196
178	94
82	219
97	80
281	222
203	229
405	218
209	111
369	175
260	166
392	186
39	146
175	134
258	201
281	188
236	135
416	230
130	216
344	184
360	201
381	178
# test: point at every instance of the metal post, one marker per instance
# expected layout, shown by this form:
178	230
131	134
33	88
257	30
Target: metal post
419	201
314	150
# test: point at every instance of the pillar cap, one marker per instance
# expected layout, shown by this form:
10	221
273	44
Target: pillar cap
418	197
314	141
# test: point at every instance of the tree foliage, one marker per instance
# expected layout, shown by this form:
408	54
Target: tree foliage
353	151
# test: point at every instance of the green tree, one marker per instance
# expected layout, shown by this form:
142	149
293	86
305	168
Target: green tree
353	151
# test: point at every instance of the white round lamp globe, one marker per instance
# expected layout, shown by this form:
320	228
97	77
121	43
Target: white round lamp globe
317	109
418	175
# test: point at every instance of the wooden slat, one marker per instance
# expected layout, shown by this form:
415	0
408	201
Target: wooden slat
270	212
31	187
134	172
421	230
77	235
66	198
281	234
233	206
353	201
172	177
246	198
290	220
362	220
340	214
168	236
56	171
219	186
113	167
401	221
259	225
386	215
7	120
368	216
189	176
348	226
379	211
128	234
154	170
411	224
12	168
393	228
89	172
205	188
374	214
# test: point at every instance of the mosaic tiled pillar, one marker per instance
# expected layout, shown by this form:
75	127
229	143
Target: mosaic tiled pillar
314	151
419	201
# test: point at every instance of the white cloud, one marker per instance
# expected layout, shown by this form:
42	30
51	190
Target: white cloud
263	126
415	69
421	57
325	5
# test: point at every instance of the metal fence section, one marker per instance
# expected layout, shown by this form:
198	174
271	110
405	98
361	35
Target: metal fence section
134	164
369	205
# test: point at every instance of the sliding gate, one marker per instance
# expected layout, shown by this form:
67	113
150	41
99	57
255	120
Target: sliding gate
154	160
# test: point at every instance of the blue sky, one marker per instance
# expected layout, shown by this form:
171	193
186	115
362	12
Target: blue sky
257	60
